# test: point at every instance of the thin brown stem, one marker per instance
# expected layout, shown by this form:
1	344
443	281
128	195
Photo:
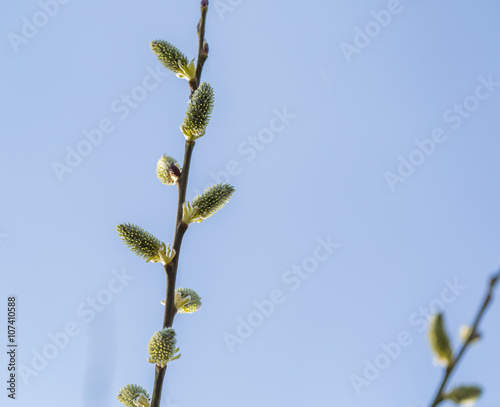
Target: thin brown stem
182	185
171	271
158	385
201	39
451	367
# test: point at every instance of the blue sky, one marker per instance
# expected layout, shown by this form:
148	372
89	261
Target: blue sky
362	141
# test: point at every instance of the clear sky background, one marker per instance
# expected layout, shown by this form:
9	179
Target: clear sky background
319	124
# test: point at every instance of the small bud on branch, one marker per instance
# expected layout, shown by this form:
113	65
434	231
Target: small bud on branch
162	348
131	393
439	340
187	301
174	60
207	204
205	49
144	244
198	112
167	170
466	331
464	394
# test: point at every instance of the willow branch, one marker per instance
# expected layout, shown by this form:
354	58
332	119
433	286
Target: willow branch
180	227
451	367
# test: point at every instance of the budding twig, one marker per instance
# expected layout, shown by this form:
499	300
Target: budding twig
180	227
454	362
162	346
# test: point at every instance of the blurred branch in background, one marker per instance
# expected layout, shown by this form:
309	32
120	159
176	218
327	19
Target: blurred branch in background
440	344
